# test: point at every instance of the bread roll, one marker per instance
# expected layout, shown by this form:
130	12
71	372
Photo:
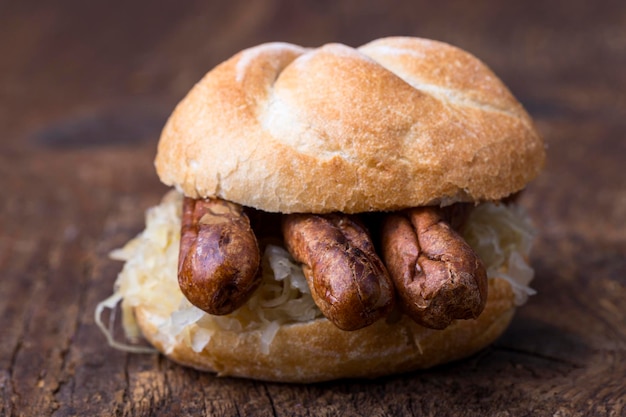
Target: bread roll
397	123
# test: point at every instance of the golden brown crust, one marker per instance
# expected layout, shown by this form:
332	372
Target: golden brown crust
318	351
399	122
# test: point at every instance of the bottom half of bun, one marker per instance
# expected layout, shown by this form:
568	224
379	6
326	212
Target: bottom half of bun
280	335
318	351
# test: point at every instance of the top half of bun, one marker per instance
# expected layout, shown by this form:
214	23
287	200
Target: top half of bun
398	122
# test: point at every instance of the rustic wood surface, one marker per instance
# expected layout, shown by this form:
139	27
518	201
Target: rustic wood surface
85	87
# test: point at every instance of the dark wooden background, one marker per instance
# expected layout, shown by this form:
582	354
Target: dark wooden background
85	87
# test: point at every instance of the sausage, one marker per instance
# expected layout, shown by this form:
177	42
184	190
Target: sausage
437	275
219	258
348	281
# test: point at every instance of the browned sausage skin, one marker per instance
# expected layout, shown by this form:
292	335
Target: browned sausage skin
437	275
348	281
219	258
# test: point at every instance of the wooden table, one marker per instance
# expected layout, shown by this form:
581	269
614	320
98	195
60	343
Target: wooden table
85	88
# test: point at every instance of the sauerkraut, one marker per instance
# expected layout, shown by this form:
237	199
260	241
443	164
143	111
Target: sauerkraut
501	235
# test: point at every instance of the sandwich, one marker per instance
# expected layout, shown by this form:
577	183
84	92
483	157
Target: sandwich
335	212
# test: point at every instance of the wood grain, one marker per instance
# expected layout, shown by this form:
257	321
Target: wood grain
85	88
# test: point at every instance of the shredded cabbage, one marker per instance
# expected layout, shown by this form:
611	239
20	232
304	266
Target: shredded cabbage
501	236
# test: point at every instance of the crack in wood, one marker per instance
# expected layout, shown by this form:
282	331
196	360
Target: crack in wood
15	396
270	399
27	317
541	356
